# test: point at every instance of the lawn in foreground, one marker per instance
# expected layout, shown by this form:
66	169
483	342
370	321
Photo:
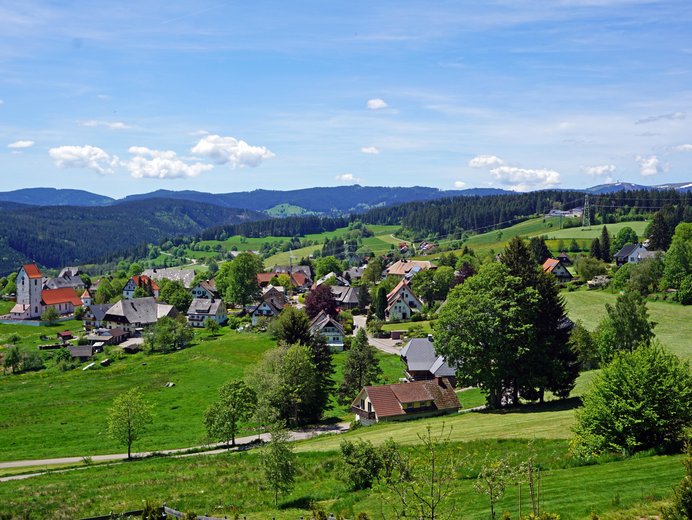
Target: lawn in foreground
214	484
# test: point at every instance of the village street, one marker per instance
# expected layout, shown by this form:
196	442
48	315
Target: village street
384	344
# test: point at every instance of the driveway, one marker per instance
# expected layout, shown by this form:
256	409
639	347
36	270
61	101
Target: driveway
384	344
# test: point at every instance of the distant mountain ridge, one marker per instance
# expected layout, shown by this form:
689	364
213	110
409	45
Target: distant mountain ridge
317	200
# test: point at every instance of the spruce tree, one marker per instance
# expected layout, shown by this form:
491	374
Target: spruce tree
380	302
362	368
605	245
595	251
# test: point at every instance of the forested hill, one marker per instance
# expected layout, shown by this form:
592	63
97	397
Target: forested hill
455	215
66	235
55	197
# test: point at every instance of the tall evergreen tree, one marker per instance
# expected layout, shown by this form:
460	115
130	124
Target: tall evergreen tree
362	368
539	250
659	234
605	245
380	302
595	251
321	357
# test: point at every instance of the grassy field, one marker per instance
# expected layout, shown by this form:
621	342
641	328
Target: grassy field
673	321
220	484
426	325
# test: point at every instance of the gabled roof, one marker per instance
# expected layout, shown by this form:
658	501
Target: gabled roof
340	280
205	306
550	264
392	297
184	276
419	355
274	303
57	296
265	277
387	399
400	285
139	310
86	294
99	310
32	271
345	295
64	281
81	350
142	280
402	267
323	319
626	250
208	285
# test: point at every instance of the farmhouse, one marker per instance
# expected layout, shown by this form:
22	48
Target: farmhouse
83	352
632	253
94	314
269	308
405	267
202	309
101	337
65	280
331	329
338	280
422	363
401	302
346	297
133	315
405	401
184	276
555	267
143	282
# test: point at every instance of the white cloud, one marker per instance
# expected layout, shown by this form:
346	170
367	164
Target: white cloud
683	148
650	165
522	179
112	125
199	133
486	161
347	177
229	150
161	164
372	150
672	116
90	157
600	170
459	184
20	144
377	104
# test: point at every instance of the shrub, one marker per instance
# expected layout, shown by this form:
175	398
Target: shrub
639	401
685	291
362	463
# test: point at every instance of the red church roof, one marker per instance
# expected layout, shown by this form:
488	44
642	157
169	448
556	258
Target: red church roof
32	271
63	295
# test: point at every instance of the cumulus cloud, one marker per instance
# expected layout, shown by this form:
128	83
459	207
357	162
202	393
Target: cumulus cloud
600	170
671	116
20	144
161	164
683	148
111	125
650	165
486	161
347	177
377	104
90	157
372	150
459	184
523	179
229	150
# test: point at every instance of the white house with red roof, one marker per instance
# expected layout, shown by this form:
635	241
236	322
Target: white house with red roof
142	281
33	300
402	302
555	267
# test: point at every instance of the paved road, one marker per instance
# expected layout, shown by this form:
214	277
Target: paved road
242	443
384	344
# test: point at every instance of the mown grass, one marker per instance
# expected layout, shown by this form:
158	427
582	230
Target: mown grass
673	321
214	484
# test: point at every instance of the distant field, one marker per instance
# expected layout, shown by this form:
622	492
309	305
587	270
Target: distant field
673	321
592	232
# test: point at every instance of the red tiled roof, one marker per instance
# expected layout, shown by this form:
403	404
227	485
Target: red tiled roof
384	402
400	285
265	277
64	295
145	280
299	279
550	264
386	399
32	271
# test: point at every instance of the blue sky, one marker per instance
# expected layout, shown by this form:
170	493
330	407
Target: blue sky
127	97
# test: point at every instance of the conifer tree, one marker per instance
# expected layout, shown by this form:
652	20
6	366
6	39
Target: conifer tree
605	245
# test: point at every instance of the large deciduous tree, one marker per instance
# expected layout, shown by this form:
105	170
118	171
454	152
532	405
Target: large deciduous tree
293	327
278	463
241	284
678	259
625	327
174	293
626	235
236	403
128	418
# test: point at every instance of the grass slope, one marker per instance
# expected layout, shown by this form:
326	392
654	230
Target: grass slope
673	321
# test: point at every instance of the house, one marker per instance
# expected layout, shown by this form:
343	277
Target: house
142	281
337	280
555	267
271	291
62	300
346	297
403	267
331	329
65	280
202	309
564	259
205	289
422	363
269	308
633	253
425	247
64	336
133	315
285	269
184	276
354	273
402	303
405	401
299	281
87	298
94	314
